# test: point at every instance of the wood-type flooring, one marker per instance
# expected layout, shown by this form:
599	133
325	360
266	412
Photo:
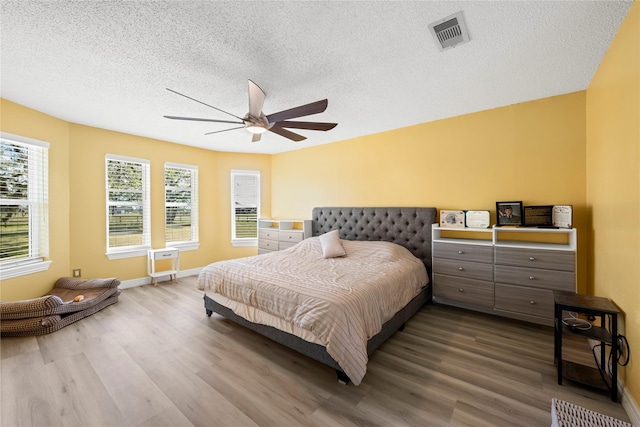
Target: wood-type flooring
155	359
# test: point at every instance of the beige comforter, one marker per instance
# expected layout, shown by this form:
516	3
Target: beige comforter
342	301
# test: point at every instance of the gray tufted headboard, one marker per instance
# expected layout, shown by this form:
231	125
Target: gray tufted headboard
408	227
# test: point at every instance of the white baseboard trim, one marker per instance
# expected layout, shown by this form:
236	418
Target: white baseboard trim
629	404
132	283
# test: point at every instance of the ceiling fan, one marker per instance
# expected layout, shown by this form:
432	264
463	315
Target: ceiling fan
256	122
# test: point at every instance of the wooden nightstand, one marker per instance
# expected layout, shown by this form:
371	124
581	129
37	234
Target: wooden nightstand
605	333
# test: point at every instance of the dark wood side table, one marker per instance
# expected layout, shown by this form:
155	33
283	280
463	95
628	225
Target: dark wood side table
606	333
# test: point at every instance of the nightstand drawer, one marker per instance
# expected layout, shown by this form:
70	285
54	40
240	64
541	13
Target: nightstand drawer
164	253
268	234
536	278
535	302
468	291
551	260
475	253
290	236
471	270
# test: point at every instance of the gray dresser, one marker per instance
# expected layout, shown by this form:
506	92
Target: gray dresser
510	272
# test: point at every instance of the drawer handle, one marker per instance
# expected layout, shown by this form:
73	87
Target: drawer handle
461	290
460	252
532	302
532	258
460	268
531	278
290	237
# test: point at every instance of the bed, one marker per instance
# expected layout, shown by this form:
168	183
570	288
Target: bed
403	236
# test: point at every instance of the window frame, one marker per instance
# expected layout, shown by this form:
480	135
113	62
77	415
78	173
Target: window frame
37	198
120	252
193	243
244	241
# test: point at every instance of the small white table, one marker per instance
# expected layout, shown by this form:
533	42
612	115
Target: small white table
158	254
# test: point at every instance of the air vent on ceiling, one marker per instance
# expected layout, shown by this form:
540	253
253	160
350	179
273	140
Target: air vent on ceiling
450	31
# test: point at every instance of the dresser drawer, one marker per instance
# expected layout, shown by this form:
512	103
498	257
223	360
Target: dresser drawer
468	291
268	234
536	278
271	245
551	260
471	270
285	245
475	253
290	236
535	302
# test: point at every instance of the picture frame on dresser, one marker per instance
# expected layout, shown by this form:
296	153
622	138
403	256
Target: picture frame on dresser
538	216
509	213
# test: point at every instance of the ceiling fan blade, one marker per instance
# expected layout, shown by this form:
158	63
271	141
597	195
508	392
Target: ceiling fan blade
203	120
224	130
256	100
200	102
256	137
287	134
303	110
307	125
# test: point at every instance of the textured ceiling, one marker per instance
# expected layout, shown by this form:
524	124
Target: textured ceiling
108	64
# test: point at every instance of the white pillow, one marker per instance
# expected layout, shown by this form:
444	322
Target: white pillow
331	246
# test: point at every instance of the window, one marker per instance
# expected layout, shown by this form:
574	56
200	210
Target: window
128	207
245	207
181	205
24	216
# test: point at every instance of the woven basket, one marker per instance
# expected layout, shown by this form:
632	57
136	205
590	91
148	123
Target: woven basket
565	414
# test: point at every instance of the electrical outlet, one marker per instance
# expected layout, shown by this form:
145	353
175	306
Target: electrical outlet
77	272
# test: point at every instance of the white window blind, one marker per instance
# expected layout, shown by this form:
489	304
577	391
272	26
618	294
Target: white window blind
245	207
128	205
24	216
181	203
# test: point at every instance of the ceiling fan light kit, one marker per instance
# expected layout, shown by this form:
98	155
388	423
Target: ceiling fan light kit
257	123
256	128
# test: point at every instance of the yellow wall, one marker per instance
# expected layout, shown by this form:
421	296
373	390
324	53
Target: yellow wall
613	183
89	147
77	198
534	152
22	121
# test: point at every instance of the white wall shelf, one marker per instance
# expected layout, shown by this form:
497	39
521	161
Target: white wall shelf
463	236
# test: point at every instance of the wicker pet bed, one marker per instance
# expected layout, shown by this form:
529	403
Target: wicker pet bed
57	309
